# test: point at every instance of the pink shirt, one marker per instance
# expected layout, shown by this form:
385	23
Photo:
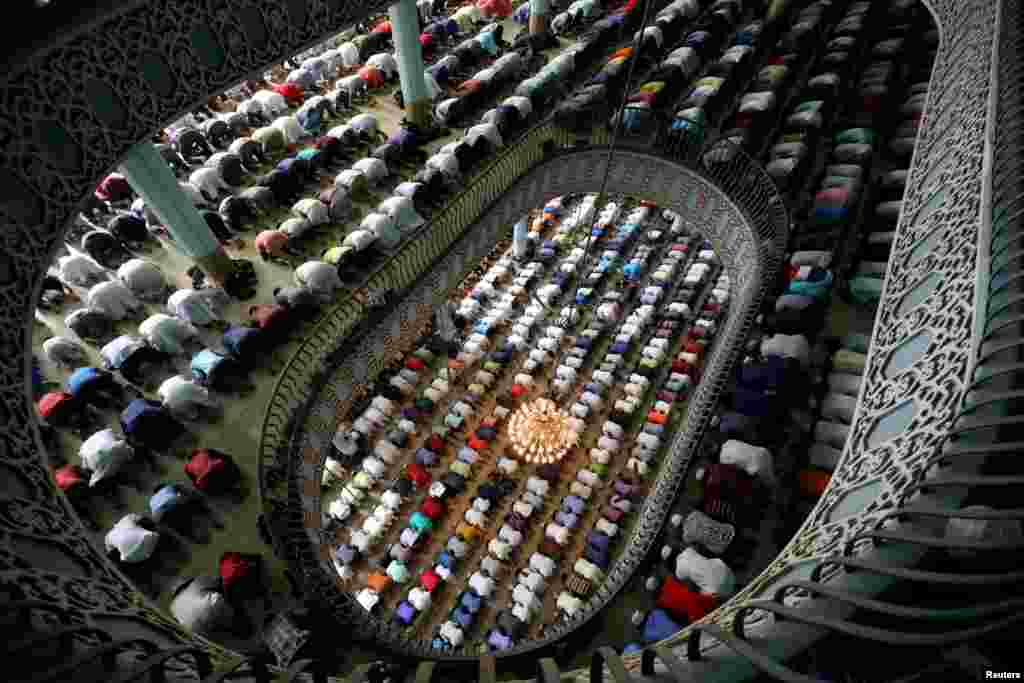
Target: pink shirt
272	241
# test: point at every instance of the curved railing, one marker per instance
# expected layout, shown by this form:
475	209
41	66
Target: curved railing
752	229
74	104
87	645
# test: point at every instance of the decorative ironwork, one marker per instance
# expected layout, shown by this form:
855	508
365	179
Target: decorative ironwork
516	181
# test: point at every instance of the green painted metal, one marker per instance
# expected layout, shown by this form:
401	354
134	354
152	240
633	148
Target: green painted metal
62	151
106	103
405	31
151	177
158	73
207	47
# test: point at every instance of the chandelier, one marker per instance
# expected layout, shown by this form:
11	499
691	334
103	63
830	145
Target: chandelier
540	433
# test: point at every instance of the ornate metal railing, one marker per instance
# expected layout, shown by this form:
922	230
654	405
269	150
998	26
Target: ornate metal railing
74	105
748	224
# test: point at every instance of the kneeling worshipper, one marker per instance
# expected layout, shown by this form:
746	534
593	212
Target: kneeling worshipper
274	244
200	307
319	277
242	577
145	423
93	386
131	539
168	334
212	471
186	400
218	371
81	270
136	360
143	279
200	605
113	299
172	505
104	454
64	353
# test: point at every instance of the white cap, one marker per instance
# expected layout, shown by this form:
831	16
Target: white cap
666	552
676	519
637	618
652	583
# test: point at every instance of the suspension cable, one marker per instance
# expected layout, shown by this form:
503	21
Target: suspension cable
616	122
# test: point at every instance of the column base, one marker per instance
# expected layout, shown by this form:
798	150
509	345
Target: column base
218	266
418	112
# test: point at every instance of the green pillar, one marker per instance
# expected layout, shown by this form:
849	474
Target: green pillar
151	177
405	30
539	11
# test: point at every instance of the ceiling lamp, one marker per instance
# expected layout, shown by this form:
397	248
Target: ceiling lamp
540	432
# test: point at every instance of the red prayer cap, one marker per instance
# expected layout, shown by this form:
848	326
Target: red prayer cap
68	476
289	91
684	603
418	474
414	364
813	482
477	444
373	76
234	567
657	418
48	403
432	508
201	466
518	390
430	580
435	443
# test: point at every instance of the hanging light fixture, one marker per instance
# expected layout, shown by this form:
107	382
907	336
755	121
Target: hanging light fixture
540	432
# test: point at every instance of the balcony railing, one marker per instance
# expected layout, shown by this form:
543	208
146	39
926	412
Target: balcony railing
316	387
